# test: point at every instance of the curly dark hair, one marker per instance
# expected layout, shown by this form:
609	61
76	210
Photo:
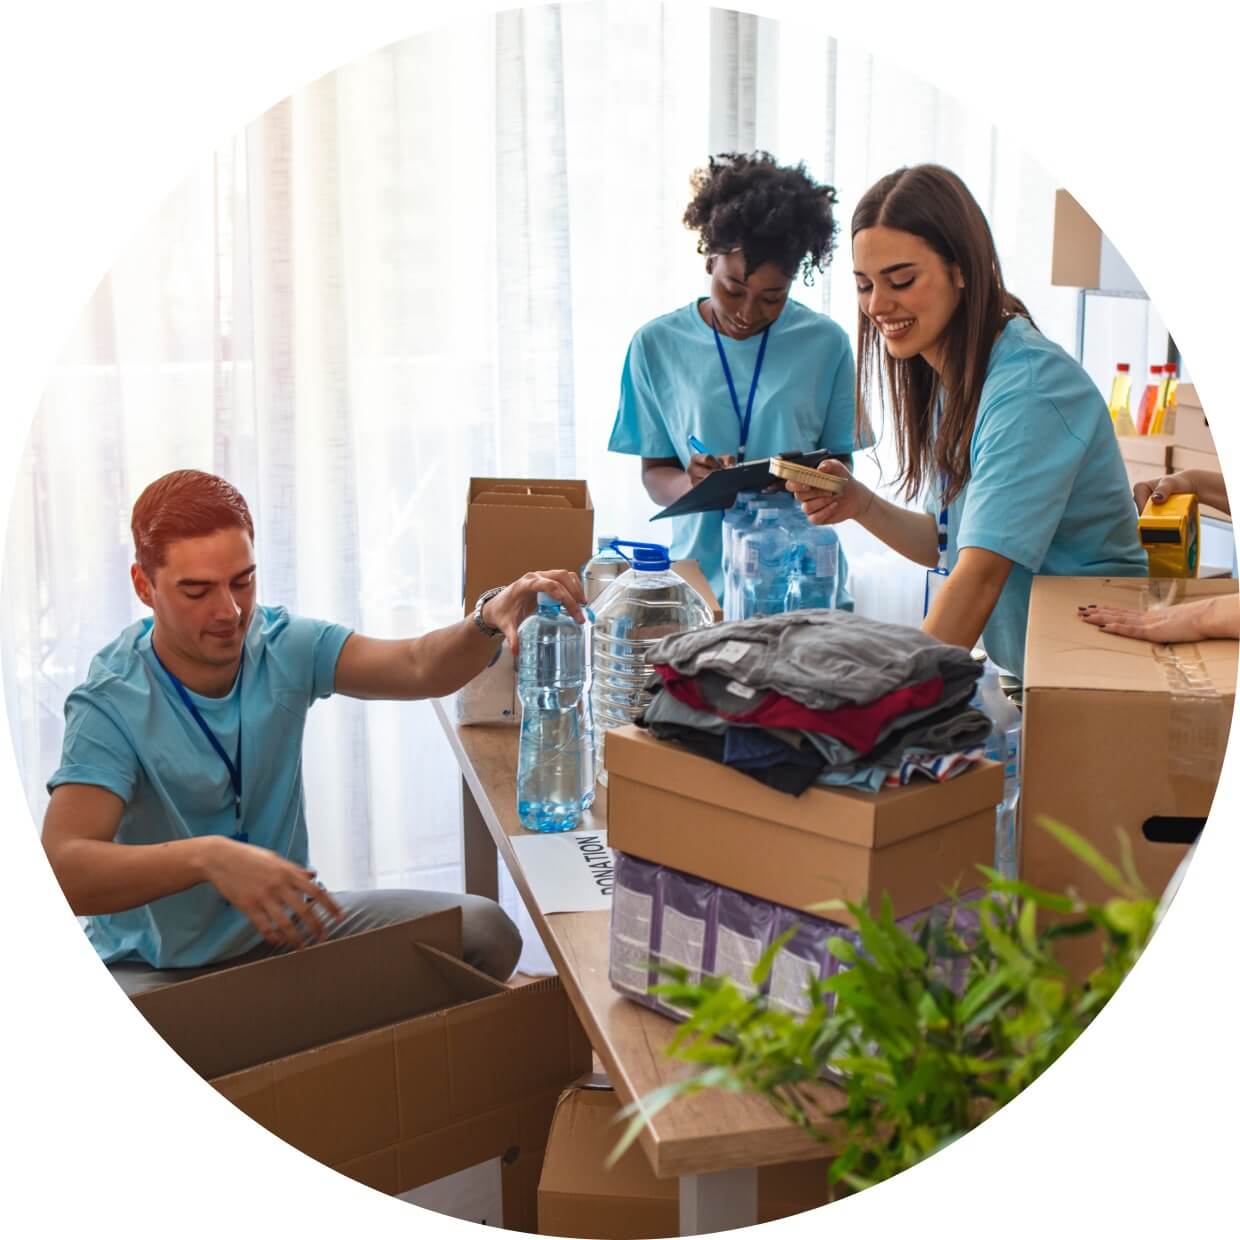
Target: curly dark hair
771	212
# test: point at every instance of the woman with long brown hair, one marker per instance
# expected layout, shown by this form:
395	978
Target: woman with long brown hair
1000	433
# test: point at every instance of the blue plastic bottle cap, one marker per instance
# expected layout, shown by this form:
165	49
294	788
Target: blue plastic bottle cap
546	600
651	559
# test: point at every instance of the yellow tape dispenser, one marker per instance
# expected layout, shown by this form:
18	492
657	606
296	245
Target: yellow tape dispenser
1171	535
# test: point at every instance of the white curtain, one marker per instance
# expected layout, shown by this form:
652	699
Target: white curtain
424	266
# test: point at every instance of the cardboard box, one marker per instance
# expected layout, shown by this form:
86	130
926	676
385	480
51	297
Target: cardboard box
1190	458
578	1195
1193	431
518	525
668	805
1076	244
1119	736
384	1056
491	697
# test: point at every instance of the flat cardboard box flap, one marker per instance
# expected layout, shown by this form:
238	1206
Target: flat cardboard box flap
230	1020
1063	653
871	820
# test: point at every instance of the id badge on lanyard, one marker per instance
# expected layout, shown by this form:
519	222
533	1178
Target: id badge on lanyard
938	574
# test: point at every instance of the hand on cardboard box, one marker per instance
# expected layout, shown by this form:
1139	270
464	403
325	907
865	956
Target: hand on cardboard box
1185	622
282	899
516	601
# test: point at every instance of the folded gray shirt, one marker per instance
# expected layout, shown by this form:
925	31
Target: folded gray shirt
823	659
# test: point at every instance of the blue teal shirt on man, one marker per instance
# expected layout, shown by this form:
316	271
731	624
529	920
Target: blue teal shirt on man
674	386
1047	488
127	730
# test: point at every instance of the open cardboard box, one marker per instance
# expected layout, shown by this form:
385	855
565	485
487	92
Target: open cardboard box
668	805
1119	735
384	1056
579	1195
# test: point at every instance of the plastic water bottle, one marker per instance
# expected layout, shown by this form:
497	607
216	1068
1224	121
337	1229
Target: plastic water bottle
602	569
638	610
555	763
766	564
736	520
816	559
1003	746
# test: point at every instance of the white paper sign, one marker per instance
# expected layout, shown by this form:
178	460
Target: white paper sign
572	872
475	1194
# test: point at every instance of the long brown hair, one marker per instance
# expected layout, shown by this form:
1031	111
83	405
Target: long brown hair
933	203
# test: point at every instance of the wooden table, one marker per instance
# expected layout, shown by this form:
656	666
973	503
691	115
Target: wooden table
713	1142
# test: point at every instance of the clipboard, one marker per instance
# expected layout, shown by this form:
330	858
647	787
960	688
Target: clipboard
718	490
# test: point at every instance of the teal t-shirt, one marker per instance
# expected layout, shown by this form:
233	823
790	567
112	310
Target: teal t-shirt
1047	488
127	730
673	386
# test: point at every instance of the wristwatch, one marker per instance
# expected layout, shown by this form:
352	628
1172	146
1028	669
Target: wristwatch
487	630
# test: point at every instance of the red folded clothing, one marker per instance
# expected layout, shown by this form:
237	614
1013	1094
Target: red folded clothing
858	727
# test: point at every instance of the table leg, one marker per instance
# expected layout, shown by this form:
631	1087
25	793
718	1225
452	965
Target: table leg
478	855
718	1201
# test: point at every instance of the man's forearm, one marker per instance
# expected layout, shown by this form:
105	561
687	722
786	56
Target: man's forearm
444	660
99	876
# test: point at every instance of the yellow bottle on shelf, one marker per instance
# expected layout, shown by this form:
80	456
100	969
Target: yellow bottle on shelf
1121	394
1164	416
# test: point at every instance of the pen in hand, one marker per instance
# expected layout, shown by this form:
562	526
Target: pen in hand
696	445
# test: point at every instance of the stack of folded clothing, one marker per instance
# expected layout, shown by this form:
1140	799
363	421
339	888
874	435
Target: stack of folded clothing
824	697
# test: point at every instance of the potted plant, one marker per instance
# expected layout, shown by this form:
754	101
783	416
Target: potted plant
927	1032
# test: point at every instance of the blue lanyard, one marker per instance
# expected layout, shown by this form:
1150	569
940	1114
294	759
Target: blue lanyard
234	771
753	386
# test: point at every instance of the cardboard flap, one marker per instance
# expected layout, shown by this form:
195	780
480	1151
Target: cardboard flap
871	820
1151	450
226	1021
573	490
1063	653
520	499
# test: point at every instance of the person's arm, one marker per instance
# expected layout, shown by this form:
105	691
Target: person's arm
915	535
965	600
666	480
1185	622
1204	483
442	661
99	875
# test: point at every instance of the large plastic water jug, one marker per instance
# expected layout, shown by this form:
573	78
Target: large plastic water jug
638	610
602	569
555	762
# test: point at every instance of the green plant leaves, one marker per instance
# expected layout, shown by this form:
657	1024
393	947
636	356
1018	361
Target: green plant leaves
922	1062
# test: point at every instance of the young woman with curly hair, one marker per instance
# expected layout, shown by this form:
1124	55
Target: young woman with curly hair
999	432
746	371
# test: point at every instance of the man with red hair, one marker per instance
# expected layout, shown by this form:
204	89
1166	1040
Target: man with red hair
177	819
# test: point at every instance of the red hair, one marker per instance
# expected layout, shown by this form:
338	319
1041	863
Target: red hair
184	504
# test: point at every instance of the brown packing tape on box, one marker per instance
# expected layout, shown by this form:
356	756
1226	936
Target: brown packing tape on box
579	1195
1119	736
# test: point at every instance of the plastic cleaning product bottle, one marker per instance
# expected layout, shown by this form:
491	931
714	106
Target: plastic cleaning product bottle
1164	418
555	762
638	610
815	579
1003	746
602	569
766	566
1120	402
1149	401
